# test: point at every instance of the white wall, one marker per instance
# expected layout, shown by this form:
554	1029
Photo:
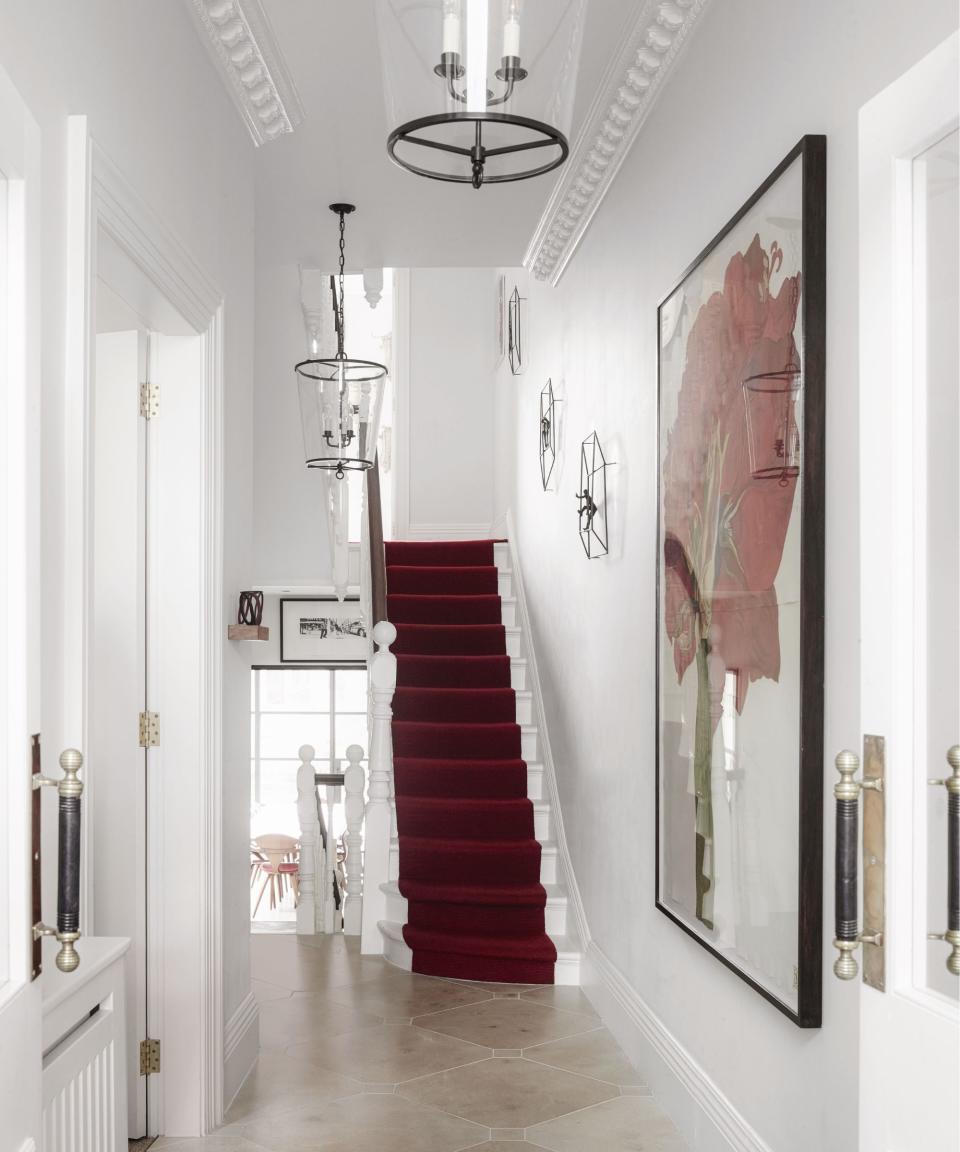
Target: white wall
754	79
158	110
448	424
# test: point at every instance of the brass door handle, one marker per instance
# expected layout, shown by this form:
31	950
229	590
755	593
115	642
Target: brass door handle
952	934
848	936
69	790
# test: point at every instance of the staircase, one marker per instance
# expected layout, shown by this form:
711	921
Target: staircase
474	890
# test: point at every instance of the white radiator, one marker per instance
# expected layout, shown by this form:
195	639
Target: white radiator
84	1039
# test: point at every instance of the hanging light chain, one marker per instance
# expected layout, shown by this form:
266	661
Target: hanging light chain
340	334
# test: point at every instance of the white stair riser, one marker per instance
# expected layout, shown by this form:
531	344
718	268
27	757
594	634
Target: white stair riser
529	744
505	584
542	823
514	642
535	781
518	675
548	866
524	708
566	972
556	917
508	613
501	556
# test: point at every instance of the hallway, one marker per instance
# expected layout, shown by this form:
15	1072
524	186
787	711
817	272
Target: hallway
358	1055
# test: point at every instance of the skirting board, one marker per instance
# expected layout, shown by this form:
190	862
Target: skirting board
241	1045
706	1118
448	532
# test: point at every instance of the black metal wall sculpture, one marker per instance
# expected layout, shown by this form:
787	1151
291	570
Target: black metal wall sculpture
515	332
592	498
250	610
548	433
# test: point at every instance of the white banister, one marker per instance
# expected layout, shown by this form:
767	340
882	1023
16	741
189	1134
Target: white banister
312	854
379	815
354	782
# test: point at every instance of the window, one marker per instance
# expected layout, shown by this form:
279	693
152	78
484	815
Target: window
289	707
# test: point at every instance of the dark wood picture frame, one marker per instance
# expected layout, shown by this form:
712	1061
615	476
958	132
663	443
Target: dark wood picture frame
318	661
811	151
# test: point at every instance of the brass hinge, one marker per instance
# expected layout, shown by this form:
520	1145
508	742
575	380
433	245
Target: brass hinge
149	729
149	1057
149	401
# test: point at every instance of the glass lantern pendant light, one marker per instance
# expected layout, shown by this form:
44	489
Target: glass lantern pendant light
340	398
482	89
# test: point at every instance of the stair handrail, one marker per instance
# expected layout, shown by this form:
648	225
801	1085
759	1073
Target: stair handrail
376	555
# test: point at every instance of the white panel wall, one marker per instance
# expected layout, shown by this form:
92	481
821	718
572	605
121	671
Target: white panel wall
160	113
754	79
449	419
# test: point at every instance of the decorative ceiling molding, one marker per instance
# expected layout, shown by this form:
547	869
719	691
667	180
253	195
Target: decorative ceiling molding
242	44
650	46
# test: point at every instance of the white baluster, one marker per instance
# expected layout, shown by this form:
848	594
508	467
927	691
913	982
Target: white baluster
379	818
354	780
311	844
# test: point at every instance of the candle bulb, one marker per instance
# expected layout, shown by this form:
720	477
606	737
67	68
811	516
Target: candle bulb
511	30
451	26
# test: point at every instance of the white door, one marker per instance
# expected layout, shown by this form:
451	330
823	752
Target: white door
20	1058
910	575
117	682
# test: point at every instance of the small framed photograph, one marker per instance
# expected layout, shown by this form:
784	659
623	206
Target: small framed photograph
322	630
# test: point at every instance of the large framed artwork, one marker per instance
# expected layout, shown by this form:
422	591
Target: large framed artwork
740	556
322	630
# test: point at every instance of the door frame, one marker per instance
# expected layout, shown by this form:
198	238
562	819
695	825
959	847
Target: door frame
98	196
894	127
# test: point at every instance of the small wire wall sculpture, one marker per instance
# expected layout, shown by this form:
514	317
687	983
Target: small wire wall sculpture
592	498
548	433
515	332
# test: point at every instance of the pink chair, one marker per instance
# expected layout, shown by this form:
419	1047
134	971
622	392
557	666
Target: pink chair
281	860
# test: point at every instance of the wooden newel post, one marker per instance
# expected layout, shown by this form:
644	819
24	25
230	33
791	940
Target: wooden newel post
354	781
379	817
312	856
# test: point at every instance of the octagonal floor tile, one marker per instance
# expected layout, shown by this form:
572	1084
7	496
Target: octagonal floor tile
389	1054
369	1123
292	1021
396	995
507	1023
507	1093
626	1124
277	1083
594	1054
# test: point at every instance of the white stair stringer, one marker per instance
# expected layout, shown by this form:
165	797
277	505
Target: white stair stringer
563	914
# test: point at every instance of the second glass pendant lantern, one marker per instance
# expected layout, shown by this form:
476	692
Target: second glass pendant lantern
481	90
340	398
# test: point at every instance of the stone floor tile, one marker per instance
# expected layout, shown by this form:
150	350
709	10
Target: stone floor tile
626	1124
557	996
390	1053
594	1054
278	1082
215	1143
507	1093
292	1021
396	995
369	1123
265	993
506	1023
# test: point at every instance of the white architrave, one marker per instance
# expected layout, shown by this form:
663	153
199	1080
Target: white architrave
99	197
241	43
649	47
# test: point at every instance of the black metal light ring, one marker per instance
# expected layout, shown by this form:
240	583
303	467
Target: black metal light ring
330	465
348	364
552	138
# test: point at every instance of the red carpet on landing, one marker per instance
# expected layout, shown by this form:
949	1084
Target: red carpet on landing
469	860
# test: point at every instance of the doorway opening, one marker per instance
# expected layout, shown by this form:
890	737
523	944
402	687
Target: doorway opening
325	708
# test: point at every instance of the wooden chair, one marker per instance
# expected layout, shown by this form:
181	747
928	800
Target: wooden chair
281	860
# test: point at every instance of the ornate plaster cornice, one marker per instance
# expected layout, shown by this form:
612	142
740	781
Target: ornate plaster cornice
650	46
242	44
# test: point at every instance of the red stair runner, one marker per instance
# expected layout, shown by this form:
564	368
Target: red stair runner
469	860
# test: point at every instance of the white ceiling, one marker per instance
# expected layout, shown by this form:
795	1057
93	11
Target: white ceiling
339	153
